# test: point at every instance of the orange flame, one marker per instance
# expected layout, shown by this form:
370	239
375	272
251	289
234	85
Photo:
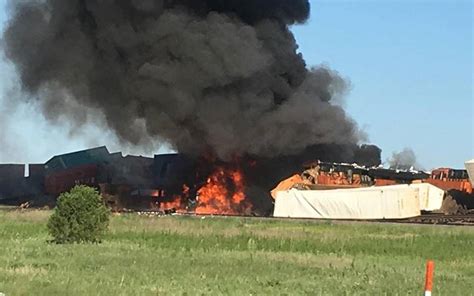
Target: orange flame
223	194
178	202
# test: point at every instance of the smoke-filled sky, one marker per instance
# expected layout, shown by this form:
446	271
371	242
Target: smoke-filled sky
409	66
209	77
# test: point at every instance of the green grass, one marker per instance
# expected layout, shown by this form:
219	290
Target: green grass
234	256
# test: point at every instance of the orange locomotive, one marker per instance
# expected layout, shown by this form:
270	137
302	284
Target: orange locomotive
450	179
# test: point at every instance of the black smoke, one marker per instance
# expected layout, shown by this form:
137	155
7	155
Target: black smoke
216	79
207	76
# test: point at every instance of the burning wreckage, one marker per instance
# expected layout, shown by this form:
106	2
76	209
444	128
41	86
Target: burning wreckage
169	182
222	82
172	183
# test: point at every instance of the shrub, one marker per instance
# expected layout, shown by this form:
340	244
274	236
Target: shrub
80	216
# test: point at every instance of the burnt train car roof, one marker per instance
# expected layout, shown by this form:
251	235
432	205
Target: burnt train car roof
74	159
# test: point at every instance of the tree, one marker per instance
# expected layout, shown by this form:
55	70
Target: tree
80	216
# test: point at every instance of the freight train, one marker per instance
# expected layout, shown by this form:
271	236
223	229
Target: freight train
137	183
133	181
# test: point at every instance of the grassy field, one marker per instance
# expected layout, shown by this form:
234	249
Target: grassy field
234	256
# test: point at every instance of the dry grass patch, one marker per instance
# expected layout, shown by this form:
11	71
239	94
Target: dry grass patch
386	236
26	270
27	215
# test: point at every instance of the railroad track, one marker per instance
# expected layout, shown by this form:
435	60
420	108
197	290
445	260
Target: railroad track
435	219
440	219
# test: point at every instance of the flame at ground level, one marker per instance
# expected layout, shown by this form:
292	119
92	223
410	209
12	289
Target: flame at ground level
178	202
223	194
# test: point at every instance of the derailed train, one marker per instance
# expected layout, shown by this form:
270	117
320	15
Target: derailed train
133	181
138	183
451	190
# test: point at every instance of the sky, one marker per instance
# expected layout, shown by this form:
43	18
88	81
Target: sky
410	64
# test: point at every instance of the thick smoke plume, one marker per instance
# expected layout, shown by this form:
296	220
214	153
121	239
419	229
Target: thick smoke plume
207	76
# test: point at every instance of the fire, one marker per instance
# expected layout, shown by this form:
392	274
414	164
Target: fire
223	194
178	202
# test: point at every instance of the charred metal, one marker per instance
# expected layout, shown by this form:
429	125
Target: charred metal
179	182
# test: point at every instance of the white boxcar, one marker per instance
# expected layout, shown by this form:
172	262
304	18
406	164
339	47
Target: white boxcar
385	202
430	197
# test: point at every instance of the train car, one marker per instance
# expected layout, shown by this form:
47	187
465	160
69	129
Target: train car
65	171
450	179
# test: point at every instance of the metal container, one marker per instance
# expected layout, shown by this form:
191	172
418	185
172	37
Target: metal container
470	170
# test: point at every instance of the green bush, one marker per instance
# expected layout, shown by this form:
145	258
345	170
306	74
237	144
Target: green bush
80	216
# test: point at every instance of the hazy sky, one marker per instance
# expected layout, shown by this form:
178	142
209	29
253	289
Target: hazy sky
410	64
